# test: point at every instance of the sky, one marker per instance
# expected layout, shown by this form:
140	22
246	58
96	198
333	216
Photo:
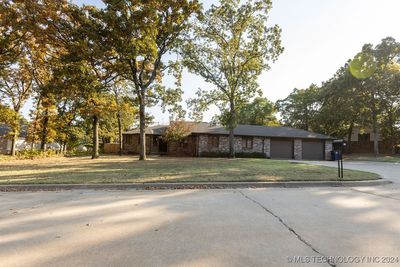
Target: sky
318	36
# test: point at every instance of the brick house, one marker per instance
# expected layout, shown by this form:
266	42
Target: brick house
205	139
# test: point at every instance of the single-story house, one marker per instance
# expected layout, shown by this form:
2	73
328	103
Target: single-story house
5	140
21	143
205	138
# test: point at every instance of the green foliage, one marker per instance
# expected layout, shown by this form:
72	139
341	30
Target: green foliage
363	65
139	35
35	154
7	115
300	108
229	46
364	93
260	111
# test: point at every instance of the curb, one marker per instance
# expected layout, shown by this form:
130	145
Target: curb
209	185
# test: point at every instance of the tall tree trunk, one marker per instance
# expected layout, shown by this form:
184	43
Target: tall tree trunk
13	143
375	132
35	123
232	123
64	147
120	132
392	133
349	135
61	147
44	130
231	143
142	126
95	151
15	132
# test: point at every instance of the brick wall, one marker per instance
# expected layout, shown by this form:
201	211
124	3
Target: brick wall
133	147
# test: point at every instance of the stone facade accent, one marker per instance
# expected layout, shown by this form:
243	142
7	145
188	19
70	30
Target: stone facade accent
203	144
267	147
223	145
298	149
328	149
258	144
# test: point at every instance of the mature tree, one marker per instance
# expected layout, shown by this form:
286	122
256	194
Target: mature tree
373	67
341	105
141	34
15	79
12	32
229	47
83	64
177	131
125	111
260	111
299	109
6	115
16	88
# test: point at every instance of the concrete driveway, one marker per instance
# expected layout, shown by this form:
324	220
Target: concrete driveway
387	170
252	227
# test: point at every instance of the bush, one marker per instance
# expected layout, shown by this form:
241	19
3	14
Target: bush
34	154
250	155
214	154
238	155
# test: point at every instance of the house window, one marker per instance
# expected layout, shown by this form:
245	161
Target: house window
213	141
247	142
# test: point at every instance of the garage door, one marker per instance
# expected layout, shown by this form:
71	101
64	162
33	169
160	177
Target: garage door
313	149
281	149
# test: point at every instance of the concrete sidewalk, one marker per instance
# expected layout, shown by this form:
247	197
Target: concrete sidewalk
247	227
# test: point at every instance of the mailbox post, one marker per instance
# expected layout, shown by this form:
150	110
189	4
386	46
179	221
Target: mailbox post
340	144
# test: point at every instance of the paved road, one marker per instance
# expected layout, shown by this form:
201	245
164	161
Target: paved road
252	227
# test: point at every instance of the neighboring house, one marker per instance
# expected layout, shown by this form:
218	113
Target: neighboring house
362	141
21	144
5	140
205	139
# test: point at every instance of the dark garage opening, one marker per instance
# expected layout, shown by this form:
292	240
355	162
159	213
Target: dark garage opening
313	149
281	148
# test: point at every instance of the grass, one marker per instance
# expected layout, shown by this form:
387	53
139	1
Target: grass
370	157
128	169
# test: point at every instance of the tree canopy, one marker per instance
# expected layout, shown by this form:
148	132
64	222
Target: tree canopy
365	92
229	46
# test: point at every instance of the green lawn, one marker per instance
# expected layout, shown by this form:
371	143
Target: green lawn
370	157
128	169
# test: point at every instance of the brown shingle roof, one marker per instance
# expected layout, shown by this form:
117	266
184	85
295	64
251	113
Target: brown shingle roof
241	130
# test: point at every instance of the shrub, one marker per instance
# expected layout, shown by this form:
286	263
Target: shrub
250	155
214	154
34	154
